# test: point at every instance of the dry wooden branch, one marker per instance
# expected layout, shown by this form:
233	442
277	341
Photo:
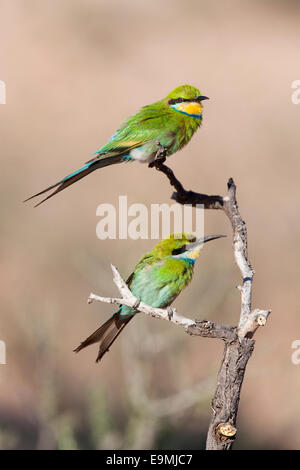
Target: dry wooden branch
239	344
238	340
130	300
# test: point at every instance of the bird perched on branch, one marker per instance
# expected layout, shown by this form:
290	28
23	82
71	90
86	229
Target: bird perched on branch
157	280
156	131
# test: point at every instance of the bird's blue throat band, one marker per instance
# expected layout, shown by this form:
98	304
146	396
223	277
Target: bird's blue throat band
183	257
196	116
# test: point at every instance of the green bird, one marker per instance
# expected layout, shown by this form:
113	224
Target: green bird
157	280
156	131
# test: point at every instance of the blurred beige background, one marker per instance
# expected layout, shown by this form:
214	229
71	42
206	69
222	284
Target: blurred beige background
73	71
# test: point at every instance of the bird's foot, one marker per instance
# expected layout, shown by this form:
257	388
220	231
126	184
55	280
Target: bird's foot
160	157
137	304
170	312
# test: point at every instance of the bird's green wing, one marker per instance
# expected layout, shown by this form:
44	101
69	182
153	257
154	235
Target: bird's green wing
146	260
160	282
152	123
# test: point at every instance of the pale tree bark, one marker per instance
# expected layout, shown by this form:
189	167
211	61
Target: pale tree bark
239	342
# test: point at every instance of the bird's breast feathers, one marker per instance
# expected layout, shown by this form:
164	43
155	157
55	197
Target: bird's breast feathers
141	154
146	153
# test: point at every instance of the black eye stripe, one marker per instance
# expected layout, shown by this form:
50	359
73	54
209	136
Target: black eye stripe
178	251
182	100
175	101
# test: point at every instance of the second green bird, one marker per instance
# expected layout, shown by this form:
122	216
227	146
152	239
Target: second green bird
157	280
158	129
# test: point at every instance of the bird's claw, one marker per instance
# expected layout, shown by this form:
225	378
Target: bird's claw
170	313
137	304
160	156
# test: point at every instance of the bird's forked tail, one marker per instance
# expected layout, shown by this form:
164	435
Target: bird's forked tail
77	175
106	334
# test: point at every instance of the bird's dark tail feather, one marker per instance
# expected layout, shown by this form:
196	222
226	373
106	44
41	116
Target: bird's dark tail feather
77	175
106	334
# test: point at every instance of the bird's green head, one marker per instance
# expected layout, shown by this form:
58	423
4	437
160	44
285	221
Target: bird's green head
187	100
182	245
191	251
173	245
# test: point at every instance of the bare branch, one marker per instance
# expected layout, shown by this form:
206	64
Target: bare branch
238	340
209	329
250	324
238	343
188	197
130	300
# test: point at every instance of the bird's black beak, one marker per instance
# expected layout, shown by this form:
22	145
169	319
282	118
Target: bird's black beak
202	98
212	237
193	249
202	240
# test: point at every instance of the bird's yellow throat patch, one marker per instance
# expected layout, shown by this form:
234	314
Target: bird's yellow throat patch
193	108
193	254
